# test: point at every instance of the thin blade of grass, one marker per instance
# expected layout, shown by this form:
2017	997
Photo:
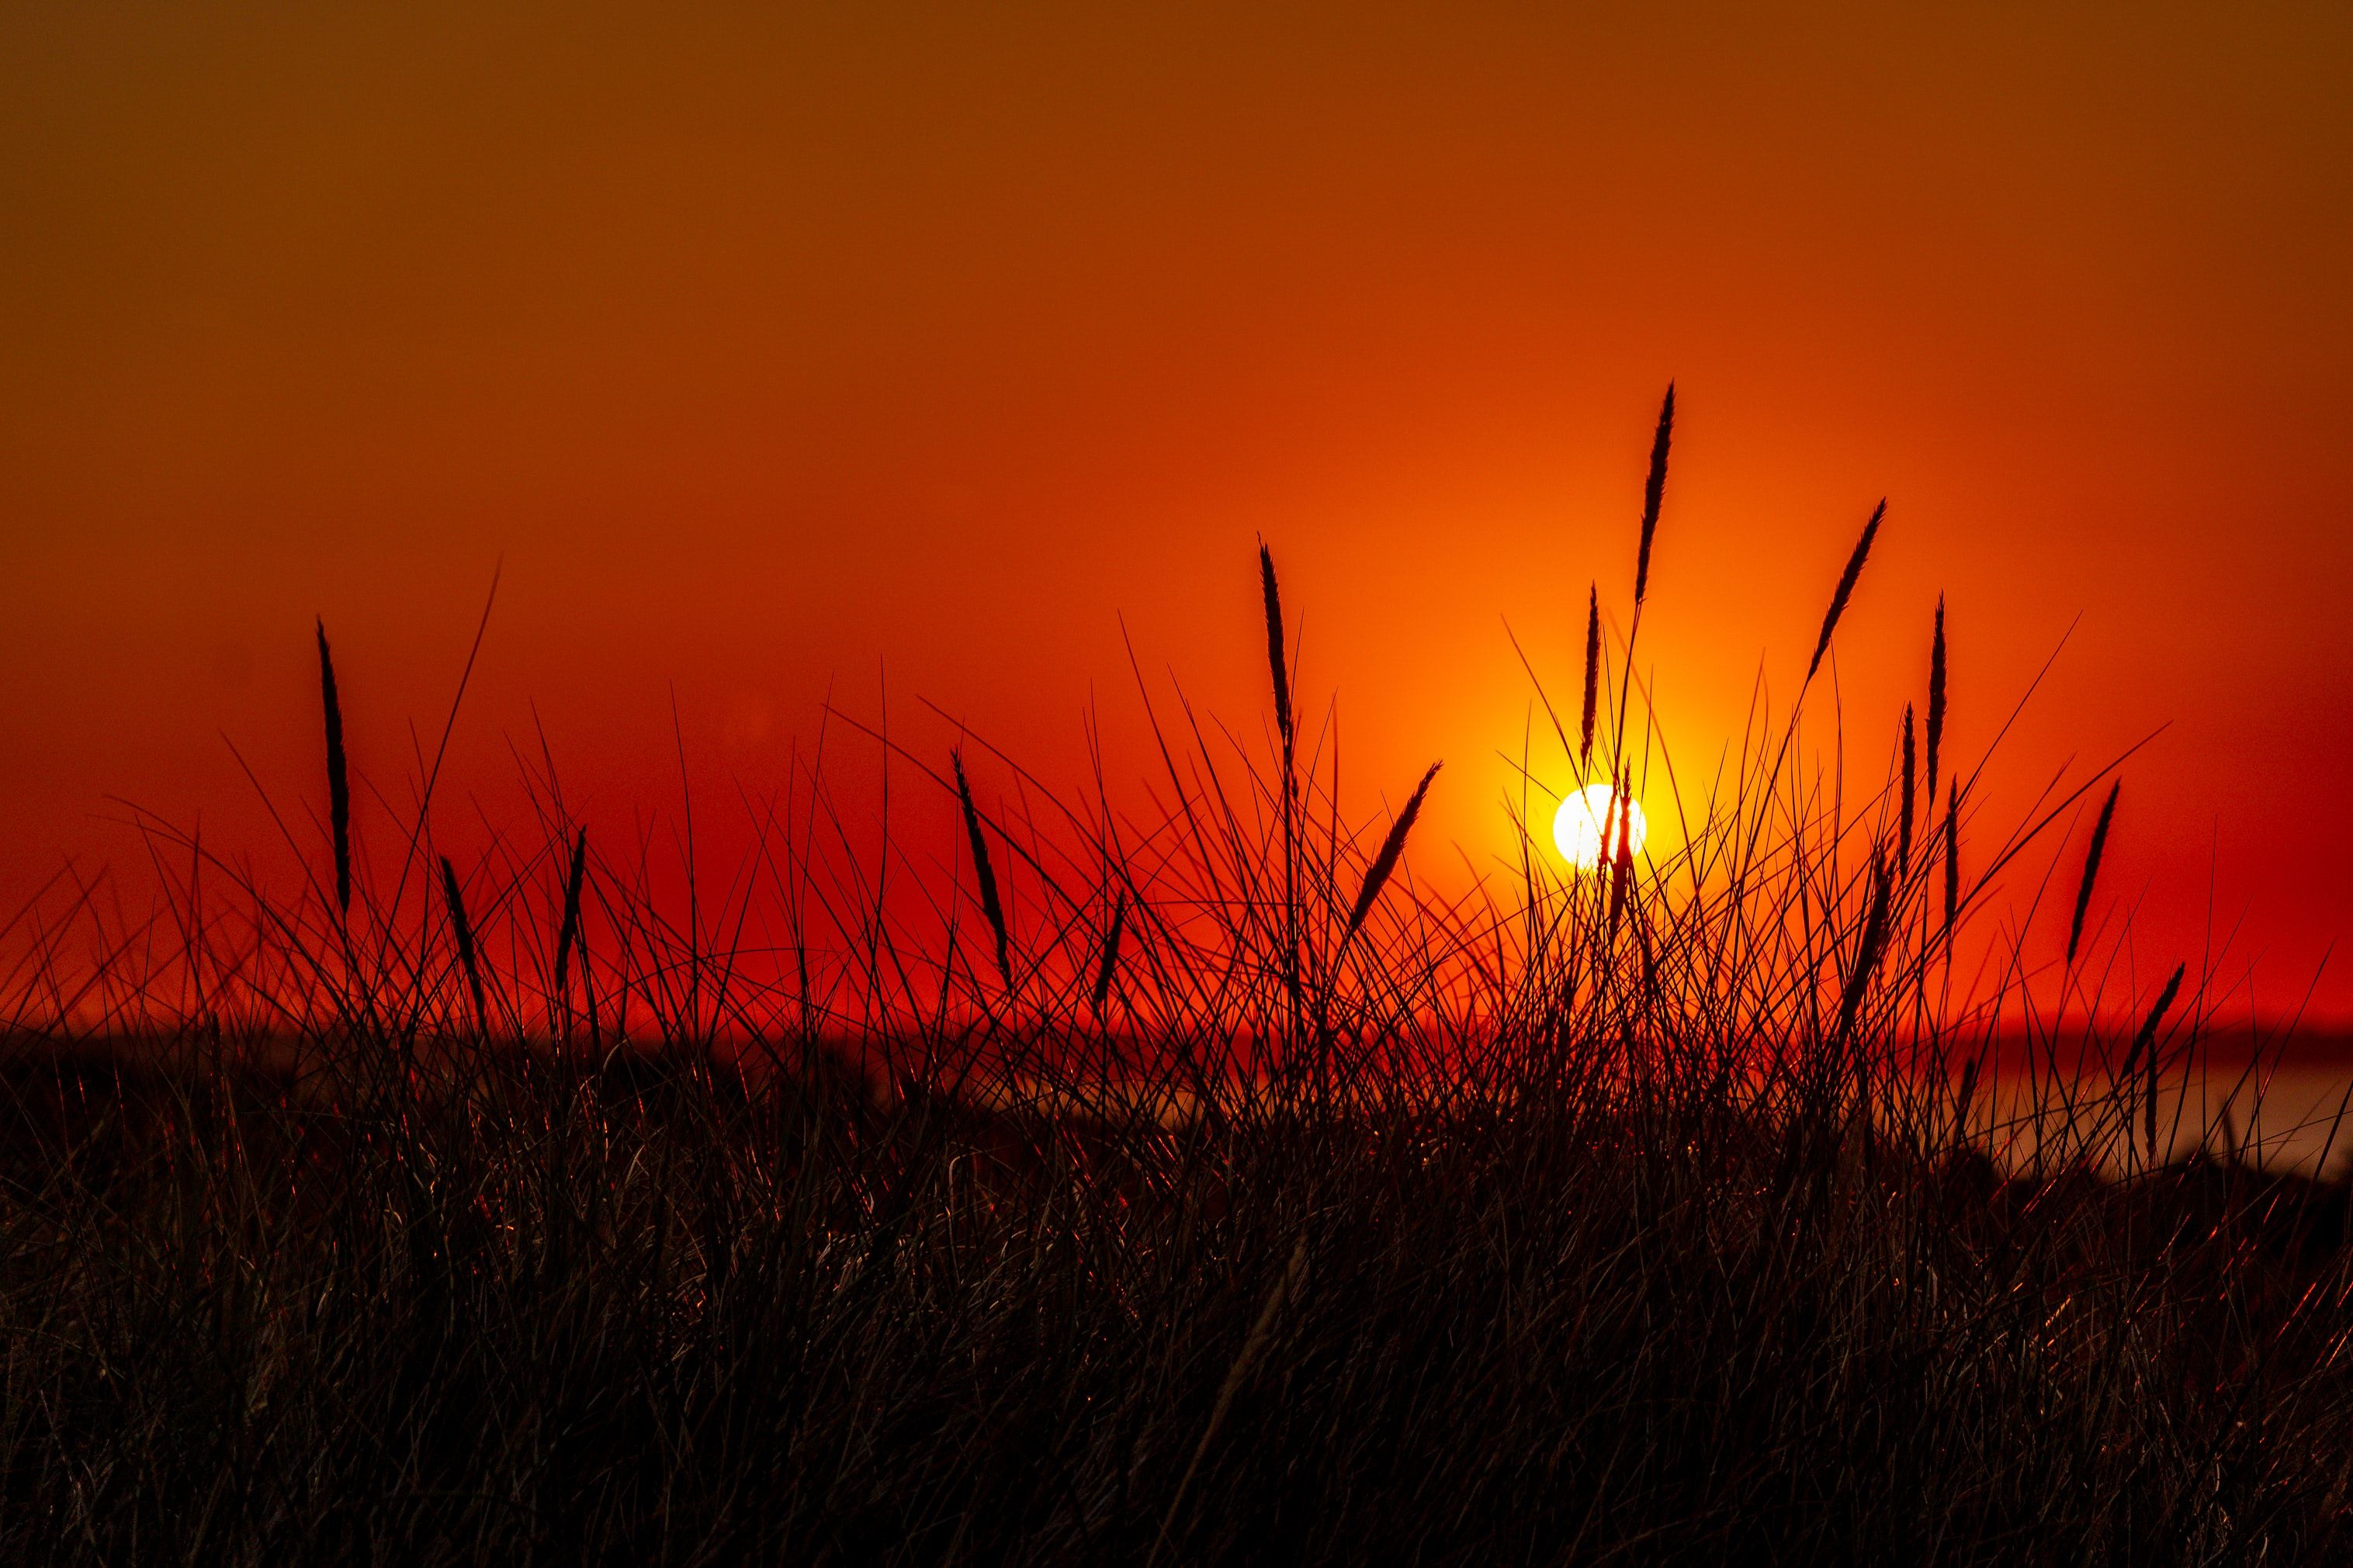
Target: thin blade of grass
463	930
990	905
1287	1285
569	932
1904	840
1867	955
1952	853
339	786
1110	965
2147	1041
1621	863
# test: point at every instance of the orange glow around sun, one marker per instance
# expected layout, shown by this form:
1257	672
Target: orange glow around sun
789	363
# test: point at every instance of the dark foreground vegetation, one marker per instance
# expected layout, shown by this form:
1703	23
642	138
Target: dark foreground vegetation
660	1316
1187	1184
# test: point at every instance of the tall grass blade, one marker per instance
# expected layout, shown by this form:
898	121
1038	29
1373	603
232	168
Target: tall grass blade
1276	661
1653	489
1592	673
990	905
339	786
1277	665
1621	863
1952	853
1936	700
1386	861
1846	586
1110	965
2092	870
569	932
463	930
2146	1041
1867	955
1904	841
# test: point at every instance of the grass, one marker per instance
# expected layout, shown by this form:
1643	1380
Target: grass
1179	1184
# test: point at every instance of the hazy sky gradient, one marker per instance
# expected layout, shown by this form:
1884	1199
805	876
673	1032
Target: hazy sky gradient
770	353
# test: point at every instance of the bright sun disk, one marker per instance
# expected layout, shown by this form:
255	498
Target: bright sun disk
1586	828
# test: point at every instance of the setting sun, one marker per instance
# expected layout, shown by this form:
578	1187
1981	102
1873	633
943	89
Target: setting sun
1586	822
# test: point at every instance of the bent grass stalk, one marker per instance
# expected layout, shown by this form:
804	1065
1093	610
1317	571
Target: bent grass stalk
1868	951
2145	1041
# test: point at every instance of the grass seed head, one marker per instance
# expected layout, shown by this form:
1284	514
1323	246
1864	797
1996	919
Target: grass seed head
1846	587
1654	489
1386	861
338	787
568	931
990	905
2092	870
1277	664
1592	672
463	930
1936	700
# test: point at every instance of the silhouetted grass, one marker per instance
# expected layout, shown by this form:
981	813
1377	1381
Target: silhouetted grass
1260	1203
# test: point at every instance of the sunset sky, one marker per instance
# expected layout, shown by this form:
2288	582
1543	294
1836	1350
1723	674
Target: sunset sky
778	355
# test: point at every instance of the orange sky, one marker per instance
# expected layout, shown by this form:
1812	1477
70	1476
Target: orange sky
768	354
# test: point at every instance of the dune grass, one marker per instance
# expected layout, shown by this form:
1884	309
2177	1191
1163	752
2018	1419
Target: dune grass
1182	1182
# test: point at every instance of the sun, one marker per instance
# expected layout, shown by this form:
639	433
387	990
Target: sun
1586	828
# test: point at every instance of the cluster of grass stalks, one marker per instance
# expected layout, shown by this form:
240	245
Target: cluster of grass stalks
1176	1183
